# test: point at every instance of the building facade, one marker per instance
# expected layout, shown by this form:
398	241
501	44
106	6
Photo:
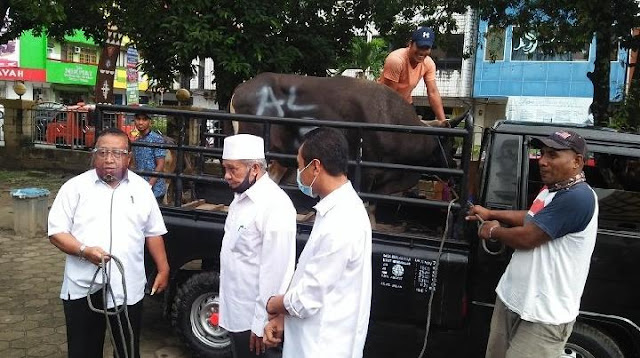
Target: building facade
65	72
514	79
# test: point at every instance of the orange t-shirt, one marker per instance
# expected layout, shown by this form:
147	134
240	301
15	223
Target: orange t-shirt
397	68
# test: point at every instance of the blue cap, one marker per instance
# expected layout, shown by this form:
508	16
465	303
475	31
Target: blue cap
423	37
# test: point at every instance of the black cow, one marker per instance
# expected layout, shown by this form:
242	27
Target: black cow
342	99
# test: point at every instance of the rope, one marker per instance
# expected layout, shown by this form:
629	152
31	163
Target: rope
106	289
442	241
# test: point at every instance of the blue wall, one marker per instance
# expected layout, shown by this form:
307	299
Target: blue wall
540	78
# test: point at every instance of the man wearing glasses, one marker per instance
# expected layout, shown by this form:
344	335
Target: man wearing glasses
107	211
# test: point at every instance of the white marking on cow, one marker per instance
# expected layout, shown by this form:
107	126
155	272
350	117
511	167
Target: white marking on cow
297	107
268	100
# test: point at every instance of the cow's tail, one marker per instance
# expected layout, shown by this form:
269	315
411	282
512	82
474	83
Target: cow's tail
230	127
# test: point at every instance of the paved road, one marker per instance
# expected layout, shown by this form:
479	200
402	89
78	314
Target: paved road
31	317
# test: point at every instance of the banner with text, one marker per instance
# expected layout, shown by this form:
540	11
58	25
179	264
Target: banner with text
132	76
71	73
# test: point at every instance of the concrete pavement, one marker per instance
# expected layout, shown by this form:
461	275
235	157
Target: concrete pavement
31	318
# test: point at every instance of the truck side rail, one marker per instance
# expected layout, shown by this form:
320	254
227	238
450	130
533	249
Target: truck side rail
181	148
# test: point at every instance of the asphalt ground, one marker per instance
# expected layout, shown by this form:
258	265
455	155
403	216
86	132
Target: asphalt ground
32	321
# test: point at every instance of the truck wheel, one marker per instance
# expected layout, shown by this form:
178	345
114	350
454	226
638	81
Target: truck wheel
195	317
588	342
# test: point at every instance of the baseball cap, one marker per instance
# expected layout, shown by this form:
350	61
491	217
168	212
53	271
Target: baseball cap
423	37
142	115
562	140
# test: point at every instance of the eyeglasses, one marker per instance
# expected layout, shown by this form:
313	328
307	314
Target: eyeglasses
116	153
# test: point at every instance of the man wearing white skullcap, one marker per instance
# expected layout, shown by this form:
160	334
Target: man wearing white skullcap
258	252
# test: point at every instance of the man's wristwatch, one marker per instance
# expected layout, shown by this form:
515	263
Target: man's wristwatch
81	252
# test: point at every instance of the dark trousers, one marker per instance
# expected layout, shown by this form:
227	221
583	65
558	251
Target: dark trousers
240	347
86	329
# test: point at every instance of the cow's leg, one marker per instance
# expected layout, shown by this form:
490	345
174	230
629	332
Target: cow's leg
371	212
167	195
276	171
234	124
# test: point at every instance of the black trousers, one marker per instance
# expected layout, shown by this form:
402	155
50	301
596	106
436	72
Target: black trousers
240	347
86	329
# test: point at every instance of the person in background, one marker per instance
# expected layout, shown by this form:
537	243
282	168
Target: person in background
325	310
538	296
258	251
106	211
147	158
403	69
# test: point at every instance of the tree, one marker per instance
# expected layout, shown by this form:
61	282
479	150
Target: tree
366	56
567	25
53	18
242	37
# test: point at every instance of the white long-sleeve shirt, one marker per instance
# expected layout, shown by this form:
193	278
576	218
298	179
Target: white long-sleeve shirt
116	219
330	295
258	255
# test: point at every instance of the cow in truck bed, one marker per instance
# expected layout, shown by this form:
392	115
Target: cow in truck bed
342	99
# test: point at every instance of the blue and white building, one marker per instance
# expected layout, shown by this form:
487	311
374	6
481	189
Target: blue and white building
514	79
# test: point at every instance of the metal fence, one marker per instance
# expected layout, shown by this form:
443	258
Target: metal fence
74	127
182	147
44	115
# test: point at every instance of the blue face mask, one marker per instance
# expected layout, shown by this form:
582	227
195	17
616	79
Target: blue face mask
306	189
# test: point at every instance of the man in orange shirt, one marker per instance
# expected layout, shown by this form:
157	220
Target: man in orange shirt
404	67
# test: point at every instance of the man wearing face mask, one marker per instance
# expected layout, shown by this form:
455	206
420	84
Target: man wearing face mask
105	211
258	251
325	310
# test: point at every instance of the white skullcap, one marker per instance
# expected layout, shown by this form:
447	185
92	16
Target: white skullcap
243	147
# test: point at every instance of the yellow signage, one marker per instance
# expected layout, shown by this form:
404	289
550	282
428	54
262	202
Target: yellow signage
120	81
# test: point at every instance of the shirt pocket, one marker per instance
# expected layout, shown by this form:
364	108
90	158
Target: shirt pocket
248	243
135	209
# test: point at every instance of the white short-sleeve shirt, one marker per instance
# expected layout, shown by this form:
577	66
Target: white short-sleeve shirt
117	220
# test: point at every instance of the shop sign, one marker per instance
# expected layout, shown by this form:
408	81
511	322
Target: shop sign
132	76
9	54
22	74
71	73
132	93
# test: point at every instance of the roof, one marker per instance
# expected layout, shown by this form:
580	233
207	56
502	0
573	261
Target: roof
599	136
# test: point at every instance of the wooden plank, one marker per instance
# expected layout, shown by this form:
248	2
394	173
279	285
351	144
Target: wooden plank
213	207
193	204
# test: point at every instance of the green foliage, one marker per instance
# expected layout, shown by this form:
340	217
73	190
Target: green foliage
242	37
626	117
53	18
366	56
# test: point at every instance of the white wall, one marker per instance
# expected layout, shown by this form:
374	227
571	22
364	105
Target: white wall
6	90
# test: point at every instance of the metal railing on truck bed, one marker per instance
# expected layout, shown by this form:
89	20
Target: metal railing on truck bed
357	164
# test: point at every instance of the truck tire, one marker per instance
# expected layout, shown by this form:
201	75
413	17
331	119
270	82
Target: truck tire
588	342
194	316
